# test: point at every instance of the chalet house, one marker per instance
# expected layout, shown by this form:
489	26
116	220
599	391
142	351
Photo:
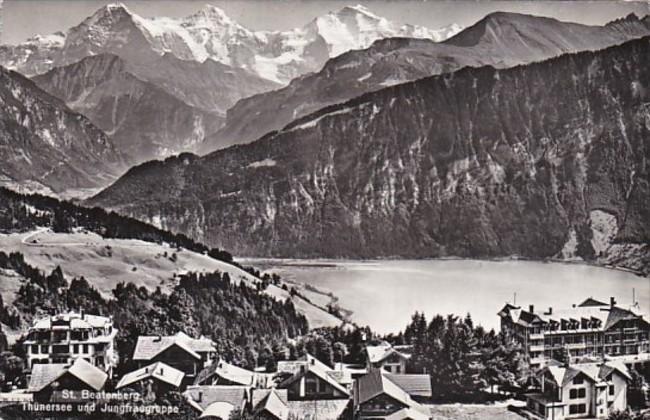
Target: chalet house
586	390
392	359
218	401
62	338
377	396
590	329
157	379
310	379
47	380
224	373
270	404
180	351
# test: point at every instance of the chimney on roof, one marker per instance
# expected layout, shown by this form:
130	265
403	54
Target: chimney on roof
531	309
162	372
81	313
313	361
158	338
550	310
146	370
612	301
199	396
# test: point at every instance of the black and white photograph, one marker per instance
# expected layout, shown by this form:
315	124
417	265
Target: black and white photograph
325	209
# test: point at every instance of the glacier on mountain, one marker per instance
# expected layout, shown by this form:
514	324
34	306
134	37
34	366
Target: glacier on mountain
278	56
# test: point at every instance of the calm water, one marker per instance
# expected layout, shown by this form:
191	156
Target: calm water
384	294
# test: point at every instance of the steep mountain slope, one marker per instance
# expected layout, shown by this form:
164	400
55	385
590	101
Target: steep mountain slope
500	40
480	162
210	85
46	146
144	121
210	34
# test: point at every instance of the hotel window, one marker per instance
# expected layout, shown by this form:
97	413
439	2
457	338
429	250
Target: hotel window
611	390
577	408
85	348
578	380
577	393
34	349
75	348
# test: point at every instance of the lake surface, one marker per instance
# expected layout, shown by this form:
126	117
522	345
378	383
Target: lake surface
384	294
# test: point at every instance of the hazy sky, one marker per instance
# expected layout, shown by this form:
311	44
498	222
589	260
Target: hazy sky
25	18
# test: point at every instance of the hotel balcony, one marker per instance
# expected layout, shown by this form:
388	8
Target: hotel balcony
576	346
539	336
538	347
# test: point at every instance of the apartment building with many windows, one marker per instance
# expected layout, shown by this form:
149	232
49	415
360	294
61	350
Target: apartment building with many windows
65	337
590	329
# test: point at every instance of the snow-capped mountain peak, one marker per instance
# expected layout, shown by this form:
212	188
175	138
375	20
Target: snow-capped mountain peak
210	16
210	33
359	8
356	27
108	14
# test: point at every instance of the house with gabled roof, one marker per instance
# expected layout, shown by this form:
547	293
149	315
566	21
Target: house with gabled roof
310	379
218	401
157	378
589	329
585	390
270	404
179	351
49	379
377	396
391	358
224	373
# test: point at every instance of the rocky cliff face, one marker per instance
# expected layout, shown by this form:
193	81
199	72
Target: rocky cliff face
478	163
144	121
500	40
46	146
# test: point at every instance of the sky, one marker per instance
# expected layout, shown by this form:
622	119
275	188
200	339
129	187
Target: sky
22	19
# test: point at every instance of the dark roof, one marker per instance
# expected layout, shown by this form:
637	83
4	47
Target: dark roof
375	383
506	310
44	374
617	314
592	302
414	385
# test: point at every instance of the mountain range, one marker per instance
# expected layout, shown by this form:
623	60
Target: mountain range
500	40
159	86
478	163
278	56
47	147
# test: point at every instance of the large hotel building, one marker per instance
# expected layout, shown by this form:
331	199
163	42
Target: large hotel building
591	328
65	337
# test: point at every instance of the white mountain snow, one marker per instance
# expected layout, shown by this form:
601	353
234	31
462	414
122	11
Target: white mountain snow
278	56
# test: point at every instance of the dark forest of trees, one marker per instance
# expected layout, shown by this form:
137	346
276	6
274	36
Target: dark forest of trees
466	362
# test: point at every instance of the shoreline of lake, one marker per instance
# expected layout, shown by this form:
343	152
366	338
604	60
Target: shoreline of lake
489	283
